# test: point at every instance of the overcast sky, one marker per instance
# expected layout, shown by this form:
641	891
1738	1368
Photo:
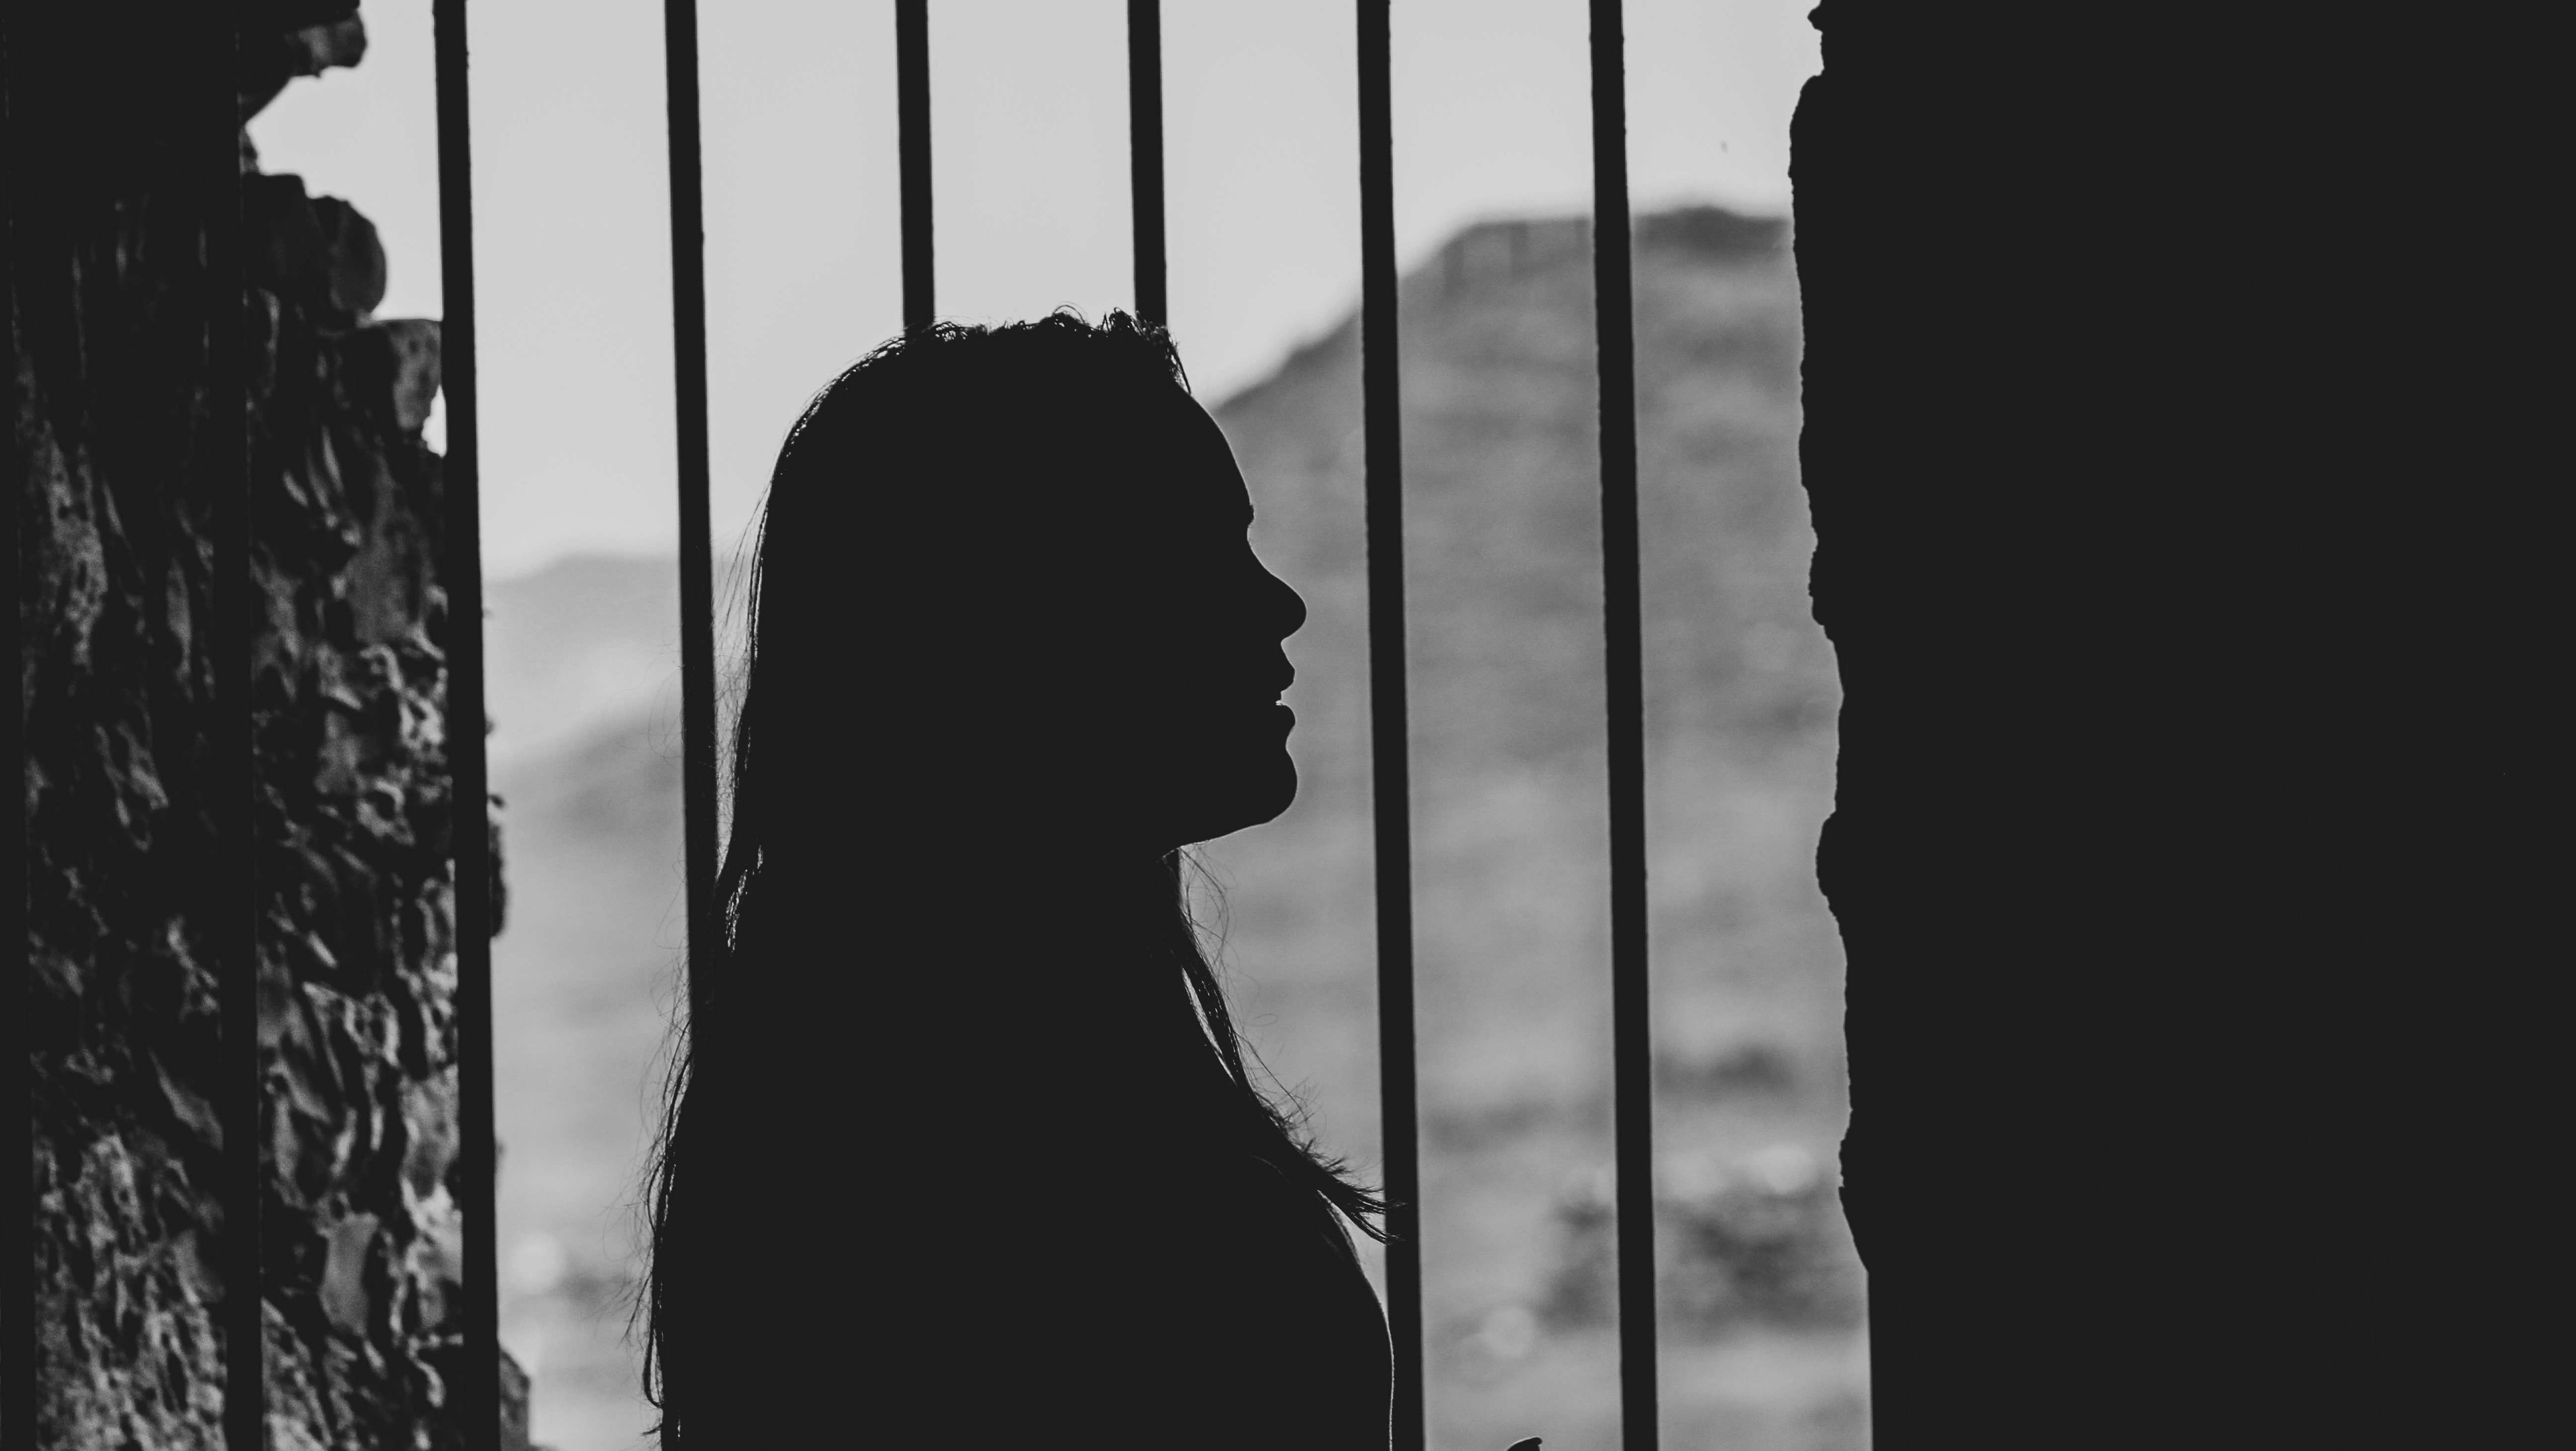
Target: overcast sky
1029	139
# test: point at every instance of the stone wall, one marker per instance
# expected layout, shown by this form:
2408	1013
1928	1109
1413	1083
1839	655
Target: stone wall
107	313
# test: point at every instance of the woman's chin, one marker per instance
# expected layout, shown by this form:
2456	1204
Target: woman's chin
1279	793
1243	798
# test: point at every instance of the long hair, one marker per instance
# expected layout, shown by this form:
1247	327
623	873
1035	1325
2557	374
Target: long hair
949	433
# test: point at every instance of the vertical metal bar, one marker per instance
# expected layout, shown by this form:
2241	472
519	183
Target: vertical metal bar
1392	789
17	1008
234	933
477	1394
1632	1044
1145	151
912	150
697	592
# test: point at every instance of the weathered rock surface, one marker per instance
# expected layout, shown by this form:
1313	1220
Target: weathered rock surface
109	306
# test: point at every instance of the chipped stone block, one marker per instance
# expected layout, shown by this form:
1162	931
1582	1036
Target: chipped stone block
316	253
390	370
346	1296
276	49
117	450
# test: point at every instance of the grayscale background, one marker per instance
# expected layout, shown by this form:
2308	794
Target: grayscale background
1763	1301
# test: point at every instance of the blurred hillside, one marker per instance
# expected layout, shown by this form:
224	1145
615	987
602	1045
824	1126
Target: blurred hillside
581	647
1762	1296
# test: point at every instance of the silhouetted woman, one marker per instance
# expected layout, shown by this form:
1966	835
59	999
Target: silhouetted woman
965	1152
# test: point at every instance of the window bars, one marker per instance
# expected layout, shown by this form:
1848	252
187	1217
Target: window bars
1145	152
697	558
478	1381
477	1386
234	934
1382	472
912	150
17	1009
1622	607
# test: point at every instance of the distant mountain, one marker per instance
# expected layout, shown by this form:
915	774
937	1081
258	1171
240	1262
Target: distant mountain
1501	464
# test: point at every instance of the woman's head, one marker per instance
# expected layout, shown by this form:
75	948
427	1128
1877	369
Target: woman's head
1007	570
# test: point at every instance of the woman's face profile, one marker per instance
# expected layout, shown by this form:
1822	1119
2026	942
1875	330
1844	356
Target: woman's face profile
1174	702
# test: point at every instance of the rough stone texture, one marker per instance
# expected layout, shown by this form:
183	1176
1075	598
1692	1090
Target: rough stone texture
108	313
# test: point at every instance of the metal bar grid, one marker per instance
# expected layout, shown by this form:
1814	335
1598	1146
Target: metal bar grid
477	1387
1145	152
912	152
234	932
1631	1035
17	1009
1391	776
697	563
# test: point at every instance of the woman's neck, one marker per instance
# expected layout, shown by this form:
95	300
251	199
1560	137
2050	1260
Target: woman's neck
1027	967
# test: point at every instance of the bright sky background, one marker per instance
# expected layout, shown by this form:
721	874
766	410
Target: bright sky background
1029	140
